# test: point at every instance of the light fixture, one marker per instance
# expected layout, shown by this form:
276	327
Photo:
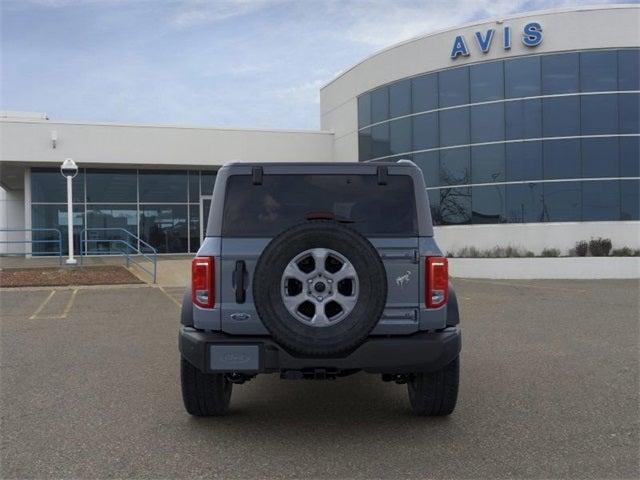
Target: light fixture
54	138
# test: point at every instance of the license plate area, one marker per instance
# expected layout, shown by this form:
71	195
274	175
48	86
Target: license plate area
234	358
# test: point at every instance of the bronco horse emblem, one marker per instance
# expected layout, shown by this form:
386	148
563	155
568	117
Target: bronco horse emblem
402	280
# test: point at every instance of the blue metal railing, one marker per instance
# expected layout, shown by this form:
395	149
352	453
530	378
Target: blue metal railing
129	251
31	241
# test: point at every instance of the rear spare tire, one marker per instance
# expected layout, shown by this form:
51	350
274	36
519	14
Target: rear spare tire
320	288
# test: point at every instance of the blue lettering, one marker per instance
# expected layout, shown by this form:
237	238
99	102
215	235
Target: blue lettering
485	43
506	38
532	34
459	48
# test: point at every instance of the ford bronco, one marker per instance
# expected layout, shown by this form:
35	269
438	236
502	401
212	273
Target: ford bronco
318	271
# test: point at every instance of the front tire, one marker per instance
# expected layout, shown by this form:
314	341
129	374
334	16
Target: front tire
434	394
204	394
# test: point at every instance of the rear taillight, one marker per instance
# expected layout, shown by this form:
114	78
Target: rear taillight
437	282
203	282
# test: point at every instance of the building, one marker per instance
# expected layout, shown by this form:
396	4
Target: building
526	129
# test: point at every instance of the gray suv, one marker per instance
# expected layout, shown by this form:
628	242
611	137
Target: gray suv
318	271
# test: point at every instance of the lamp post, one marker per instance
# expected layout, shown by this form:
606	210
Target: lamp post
69	170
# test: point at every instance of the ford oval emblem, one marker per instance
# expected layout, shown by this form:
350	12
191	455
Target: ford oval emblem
240	316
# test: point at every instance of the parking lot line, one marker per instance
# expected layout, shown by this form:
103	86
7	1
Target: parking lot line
37	315
516	285
170	296
42	305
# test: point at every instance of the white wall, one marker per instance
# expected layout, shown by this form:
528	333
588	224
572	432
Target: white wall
536	236
11	217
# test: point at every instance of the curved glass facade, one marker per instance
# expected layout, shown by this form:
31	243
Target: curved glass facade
544	138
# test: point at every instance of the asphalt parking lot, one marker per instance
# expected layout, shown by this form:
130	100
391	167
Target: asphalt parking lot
549	389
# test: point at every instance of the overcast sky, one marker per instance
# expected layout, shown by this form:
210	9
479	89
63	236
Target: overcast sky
244	63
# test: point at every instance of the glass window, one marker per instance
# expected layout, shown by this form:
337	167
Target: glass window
487	123
629	113
55	216
599	114
560	73
163	186
194	227
523	119
600	157
562	202
523	161
400	135
379	105
425	131
364	110
194	186
522	77
424	93
365	146
600	200
113	217
400	98
434	205
454	127
285	200
629	69
49	186
524	203
630	200
599	71
112	186
630	156
380	141
453	86
561	116
455	206
455	166
207	181
429	163
561	159
487	164
165	227
487	81
488	204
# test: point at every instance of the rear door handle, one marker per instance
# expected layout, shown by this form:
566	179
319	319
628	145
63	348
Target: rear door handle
238	280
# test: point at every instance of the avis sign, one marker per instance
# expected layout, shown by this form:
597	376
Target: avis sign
531	37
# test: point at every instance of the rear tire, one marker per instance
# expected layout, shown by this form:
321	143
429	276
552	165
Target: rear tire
434	394
204	394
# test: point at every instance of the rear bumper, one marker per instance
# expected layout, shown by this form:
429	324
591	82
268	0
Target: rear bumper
395	355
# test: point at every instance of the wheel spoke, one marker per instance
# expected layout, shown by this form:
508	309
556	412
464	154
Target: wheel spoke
293	302
346	302
319	258
293	271
347	271
320	318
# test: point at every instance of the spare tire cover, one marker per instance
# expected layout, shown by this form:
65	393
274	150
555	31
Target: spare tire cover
320	288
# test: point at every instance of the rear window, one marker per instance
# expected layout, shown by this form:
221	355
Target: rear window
283	201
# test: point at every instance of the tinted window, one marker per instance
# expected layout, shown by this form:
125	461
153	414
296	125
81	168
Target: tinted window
562	201
523	161
112	186
561	159
112	217
207	181
630	200
600	200
629	113
48	185
424	92
524	203
561	116
165	227
364	110
454	127
400	135
599	114
365	146
194	186
487	81
600	157
455	206
425	131
630	157
163	186
454	166
487	164
487	123
523	119
429	163
629	70
522	77
453	87
194	227
380	141
54	216
560	73
379	105
400	98
599	71
285	200
488	204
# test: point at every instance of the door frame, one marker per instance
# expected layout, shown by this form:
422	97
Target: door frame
202	199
